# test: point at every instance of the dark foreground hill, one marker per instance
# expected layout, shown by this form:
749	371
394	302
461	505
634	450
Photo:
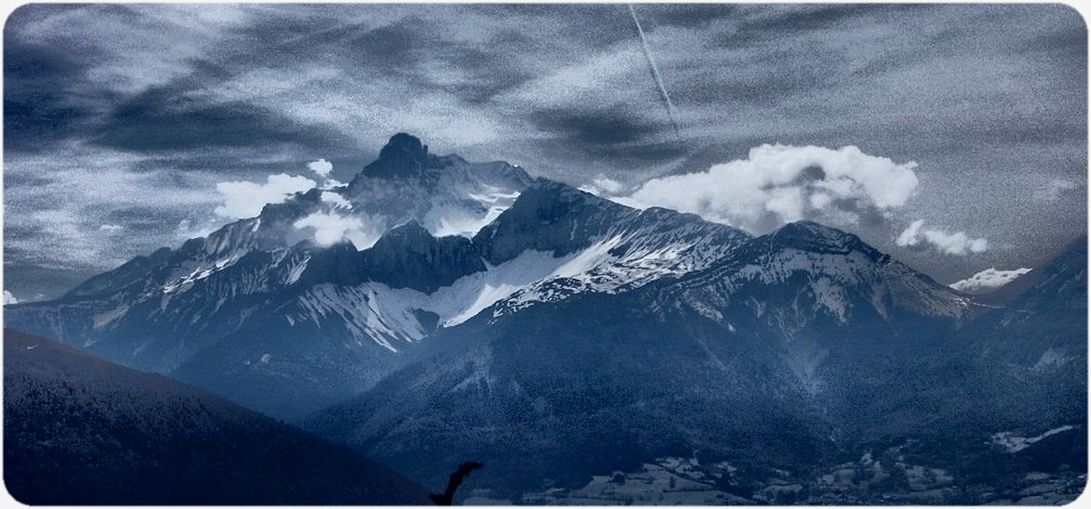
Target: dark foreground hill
80	430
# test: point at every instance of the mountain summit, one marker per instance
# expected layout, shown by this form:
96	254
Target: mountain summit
404	155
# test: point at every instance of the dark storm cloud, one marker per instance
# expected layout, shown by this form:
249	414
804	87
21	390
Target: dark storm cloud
39	107
162	119
609	127
989	100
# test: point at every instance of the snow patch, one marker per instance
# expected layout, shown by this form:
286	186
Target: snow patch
444	221
297	270
830	296
376	312
1013	443
101	320
202	271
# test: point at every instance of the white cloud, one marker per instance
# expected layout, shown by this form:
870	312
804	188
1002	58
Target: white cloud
9	298
111	228
331	183
322	167
777	184
988	280
246	199
330	228
958	243
335	199
603	186
187	230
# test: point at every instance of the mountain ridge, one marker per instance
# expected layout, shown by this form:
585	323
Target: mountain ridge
348	309
698	361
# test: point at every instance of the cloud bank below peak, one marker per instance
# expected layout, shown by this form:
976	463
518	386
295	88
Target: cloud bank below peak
330	227
244	199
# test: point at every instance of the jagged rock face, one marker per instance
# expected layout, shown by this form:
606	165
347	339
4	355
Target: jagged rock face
553	217
550	217
844	277
811	236
338	264
330	321
445	194
404	156
410	257
159	312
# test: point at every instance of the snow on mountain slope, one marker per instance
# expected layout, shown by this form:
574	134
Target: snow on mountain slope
446	194
392	316
602	247
173	293
839	275
352	317
615	248
273	315
156	327
788	344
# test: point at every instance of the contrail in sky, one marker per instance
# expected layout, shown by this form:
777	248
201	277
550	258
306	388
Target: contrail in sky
655	72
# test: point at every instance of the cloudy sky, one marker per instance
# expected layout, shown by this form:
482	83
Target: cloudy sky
953	137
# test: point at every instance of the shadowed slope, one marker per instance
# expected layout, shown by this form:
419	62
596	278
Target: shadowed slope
79	430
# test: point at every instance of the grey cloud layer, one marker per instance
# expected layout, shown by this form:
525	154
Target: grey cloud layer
988	100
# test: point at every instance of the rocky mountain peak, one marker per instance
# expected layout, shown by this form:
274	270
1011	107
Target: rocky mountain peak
410	256
548	216
410	236
403	155
811	236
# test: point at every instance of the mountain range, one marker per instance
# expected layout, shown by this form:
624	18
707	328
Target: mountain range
557	335
291	328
